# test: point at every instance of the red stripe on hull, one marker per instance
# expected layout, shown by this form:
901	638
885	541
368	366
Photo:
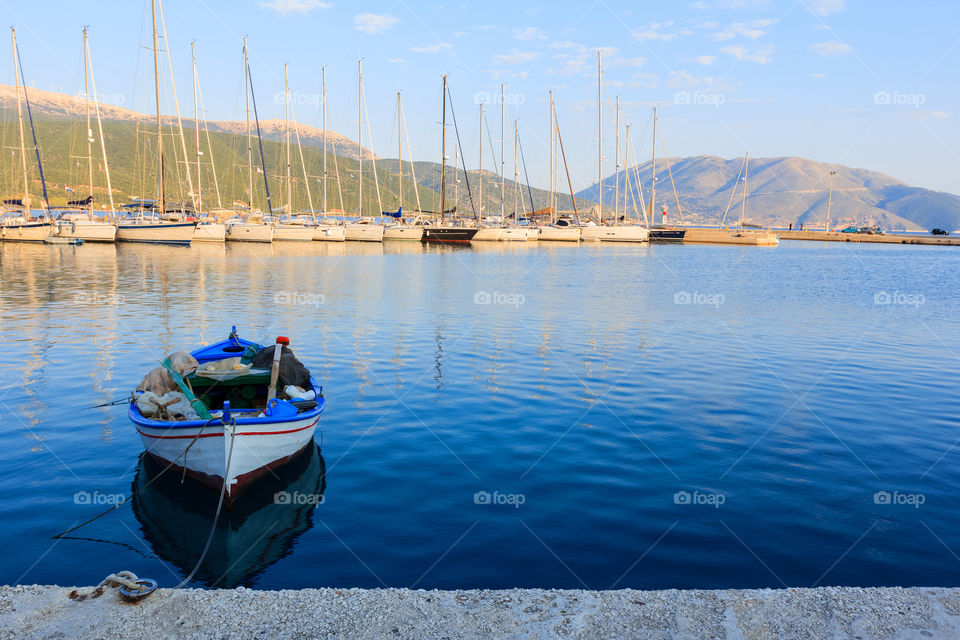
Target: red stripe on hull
220	435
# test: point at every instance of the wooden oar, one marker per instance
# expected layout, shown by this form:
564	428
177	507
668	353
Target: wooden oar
275	369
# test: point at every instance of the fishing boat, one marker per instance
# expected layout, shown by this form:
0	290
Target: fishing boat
17	222
223	396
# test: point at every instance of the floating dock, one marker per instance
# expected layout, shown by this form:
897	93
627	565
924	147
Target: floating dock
830	612
749	237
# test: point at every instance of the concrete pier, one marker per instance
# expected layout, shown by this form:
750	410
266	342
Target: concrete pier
836	236
831	612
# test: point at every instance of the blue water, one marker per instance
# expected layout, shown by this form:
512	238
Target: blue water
582	397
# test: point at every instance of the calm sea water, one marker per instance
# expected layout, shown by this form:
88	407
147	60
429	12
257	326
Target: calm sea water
599	416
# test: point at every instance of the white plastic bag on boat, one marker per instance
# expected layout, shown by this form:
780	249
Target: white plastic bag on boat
174	403
297	393
225	369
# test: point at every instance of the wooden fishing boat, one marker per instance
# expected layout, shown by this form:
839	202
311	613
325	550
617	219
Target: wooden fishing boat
239	426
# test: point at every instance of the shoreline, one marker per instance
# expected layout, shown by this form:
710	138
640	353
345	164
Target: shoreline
42	611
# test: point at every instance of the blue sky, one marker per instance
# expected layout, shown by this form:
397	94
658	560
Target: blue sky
866	84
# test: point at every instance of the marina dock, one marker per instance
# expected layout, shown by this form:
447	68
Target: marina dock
837	236
829	612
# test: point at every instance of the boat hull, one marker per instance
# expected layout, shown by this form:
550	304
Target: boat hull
210	232
249	232
760	238
490	234
448	234
157	232
667	235
292	233
25	231
329	233
86	230
364	232
626	233
560	234
515	234
403	233
533	233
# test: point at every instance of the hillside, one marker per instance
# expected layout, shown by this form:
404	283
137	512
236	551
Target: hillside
790	190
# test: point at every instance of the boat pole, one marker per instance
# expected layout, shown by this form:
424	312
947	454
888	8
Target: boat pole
443	153
23	143
86	113
275	368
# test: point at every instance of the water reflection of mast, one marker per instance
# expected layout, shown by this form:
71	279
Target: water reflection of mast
438	359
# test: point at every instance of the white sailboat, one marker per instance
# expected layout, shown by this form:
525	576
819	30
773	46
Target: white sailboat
209	228
398	230
485	233
615	232
328	229
362	230
153	228
17	223
290	229
556	232
250	227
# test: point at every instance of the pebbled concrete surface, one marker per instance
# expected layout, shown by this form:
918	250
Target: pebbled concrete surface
824	613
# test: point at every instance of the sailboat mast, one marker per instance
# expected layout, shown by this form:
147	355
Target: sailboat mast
599	137
246	102
553	185
653	182
480	188
323	204
399	155
86	111
443	153
196	126
286	126
103	144
161	193
360	129
616	168
23	142
503	160
516	169
743	205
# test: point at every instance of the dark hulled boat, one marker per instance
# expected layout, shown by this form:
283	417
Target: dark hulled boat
445	233
667	234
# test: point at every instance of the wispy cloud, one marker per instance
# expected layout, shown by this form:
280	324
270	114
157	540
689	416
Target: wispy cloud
656	31
432	48
831	49
750	29
286	7
760	55
529	33
826	7
704	60
516	57
373	23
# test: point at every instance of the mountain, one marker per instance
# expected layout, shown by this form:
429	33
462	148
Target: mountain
788	190
47	104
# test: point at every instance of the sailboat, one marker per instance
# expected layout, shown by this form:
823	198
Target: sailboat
22	226
362	230
485	233
79	222
328	229
445	232
154	228
290	229
250	228
660	232
557	232
209	228
398	230
601	232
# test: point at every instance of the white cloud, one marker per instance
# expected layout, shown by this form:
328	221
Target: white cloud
529	33
373	23
826	7
704	60
760	55
818	75
432	48
750	29
516	57
643	81
286	7
654	31
397	61
626	62
831	49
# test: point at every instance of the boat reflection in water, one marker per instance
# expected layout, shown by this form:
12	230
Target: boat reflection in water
260	529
